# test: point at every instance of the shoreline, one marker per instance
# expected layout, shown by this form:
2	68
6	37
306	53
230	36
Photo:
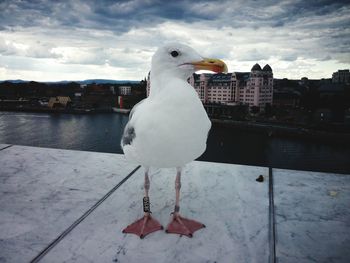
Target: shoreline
63	111
234	143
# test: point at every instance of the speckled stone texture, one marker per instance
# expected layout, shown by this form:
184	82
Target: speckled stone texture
43	191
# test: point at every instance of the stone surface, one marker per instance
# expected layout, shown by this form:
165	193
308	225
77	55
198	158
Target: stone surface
3	146
43	191
312	216
226	198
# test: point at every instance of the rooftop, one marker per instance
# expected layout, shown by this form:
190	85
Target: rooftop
221	77
267	68
71	206
256	67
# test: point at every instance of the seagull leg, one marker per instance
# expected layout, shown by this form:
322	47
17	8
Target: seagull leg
146	224
179	224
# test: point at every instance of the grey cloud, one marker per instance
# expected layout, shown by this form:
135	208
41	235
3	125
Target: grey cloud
112	32
253	55
326	58
120	16
7	49
290	56
41	50
35	49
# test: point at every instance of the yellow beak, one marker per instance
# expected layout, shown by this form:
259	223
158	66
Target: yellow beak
211	64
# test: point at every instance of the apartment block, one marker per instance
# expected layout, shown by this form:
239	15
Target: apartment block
341	76
254	88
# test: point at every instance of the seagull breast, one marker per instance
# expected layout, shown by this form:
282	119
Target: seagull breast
170	127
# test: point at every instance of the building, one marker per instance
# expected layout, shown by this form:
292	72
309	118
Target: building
148	83
254	88
125	90
214	88
286	99
341	76
59	102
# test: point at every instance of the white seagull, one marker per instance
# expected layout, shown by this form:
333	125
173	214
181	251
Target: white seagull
169	128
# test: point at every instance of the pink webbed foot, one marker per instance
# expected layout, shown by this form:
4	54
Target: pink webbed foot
183	226
143	226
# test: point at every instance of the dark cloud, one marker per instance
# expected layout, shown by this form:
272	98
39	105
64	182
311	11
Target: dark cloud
86	31
120	16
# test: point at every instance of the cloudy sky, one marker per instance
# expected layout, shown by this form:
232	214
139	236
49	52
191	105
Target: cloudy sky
47	40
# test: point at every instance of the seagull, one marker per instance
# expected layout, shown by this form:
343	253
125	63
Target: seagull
169	128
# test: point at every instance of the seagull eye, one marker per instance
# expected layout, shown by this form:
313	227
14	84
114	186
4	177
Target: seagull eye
174	53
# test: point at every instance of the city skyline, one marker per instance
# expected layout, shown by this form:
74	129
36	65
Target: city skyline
74	40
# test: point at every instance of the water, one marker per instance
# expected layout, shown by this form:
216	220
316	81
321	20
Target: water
102	133
95	132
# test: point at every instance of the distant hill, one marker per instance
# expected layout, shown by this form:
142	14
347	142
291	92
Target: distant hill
14	81
87	81
103	81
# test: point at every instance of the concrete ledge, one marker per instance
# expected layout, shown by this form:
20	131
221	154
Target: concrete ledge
4	146
43	191
312	216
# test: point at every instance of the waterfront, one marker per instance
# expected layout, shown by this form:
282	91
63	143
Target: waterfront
102	132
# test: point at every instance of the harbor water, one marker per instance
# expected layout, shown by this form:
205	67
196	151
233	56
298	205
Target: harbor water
102	133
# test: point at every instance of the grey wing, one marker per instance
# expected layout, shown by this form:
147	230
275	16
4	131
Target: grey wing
128	135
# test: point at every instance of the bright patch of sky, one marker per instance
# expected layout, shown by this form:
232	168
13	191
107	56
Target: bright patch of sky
74	40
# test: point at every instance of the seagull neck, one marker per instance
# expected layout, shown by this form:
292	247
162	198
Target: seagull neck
161	81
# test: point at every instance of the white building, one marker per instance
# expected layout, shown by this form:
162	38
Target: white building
125	90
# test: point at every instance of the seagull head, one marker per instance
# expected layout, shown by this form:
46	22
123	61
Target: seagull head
182	61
